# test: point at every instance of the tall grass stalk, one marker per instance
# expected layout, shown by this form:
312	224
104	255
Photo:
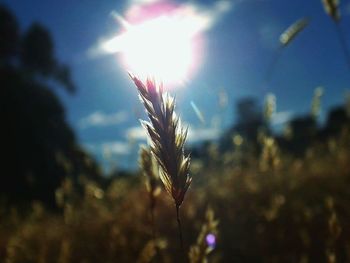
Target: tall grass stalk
206	241
167	142
147	167
331	7
285	39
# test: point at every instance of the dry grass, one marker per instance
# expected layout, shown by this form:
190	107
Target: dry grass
332	9
316	103
148	168
292	31
269	107
295	212
206	240
168	139
285	39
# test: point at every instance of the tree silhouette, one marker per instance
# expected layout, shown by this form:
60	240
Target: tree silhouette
39	147
250	118
249	121
9	33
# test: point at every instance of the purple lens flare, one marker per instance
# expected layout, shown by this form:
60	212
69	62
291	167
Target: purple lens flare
211	240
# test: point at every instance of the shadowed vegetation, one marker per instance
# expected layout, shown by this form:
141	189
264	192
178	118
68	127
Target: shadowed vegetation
40	147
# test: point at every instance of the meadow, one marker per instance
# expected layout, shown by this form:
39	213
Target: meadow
253	195
269	208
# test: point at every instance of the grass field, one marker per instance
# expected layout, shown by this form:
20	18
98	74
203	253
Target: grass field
292	210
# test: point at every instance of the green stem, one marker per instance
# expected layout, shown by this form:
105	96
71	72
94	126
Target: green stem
179	228
152	206
154	235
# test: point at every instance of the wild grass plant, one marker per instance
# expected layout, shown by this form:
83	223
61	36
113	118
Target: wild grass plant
285	39
206	240
295	212
167	141
270	214
150	172
331	8
292	31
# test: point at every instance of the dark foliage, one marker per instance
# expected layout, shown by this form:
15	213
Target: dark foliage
39	146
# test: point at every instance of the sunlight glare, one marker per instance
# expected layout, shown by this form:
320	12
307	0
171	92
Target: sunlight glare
163	47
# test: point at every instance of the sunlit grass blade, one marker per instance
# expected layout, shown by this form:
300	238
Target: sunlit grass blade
331	7
292	31
285	39
316	102
167	138
147	167
199	114
269	107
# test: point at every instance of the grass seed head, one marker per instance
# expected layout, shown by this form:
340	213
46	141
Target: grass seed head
332	9
316	102
146	162
269	107
292	31
167	138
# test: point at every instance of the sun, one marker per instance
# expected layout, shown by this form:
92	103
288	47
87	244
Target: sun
160	48
165	46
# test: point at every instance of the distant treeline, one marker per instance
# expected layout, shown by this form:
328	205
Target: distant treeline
39	147
300	132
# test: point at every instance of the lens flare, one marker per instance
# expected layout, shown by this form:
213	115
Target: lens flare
159	47
165	44
211	240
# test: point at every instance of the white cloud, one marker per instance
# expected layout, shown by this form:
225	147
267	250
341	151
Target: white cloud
90	147
110	147
194	134
202	134
137	133
117	147
281	117
205	17
199	18
98	118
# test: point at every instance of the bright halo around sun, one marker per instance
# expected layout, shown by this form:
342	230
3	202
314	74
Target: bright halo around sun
164	45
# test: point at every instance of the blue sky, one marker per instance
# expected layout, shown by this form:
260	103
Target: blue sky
239	47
